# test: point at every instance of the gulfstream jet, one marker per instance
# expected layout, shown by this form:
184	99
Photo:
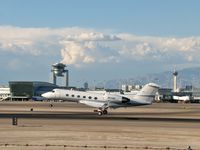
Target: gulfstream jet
103	101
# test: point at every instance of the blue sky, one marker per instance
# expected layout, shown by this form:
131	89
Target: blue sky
155	17
98	40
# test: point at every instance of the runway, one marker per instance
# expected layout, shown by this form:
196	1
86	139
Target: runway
72	126
89	116
65	110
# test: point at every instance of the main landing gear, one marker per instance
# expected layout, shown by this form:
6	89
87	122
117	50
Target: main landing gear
101	111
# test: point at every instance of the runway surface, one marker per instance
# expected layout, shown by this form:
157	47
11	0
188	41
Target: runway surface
90	116
76	126
65	110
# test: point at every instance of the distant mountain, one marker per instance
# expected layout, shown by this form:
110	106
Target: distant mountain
188	76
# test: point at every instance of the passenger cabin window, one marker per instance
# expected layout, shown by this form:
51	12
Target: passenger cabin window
95	98
84	96
53	91
73	95
89	97
67	94
78	96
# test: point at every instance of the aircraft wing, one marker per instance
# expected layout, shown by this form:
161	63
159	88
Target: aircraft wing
113	103
97	104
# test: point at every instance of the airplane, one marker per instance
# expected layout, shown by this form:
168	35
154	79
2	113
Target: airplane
105	100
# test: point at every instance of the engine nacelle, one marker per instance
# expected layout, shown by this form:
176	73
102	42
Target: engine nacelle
117	98
125	99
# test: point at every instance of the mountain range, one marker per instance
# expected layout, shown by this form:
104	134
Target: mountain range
188	76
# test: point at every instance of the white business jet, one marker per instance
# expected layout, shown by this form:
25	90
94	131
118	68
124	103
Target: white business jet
106	100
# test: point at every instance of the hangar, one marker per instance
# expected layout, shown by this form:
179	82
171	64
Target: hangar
25	90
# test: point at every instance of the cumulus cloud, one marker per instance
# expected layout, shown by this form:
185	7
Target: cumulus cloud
76	46
91	36
76	53
144	47
79	46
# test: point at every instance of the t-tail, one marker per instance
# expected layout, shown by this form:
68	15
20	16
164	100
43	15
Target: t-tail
147	93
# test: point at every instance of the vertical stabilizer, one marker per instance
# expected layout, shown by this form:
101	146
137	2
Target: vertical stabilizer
147	93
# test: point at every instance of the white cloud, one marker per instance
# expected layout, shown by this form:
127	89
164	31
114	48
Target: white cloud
143	47
91	36
79	46
76	53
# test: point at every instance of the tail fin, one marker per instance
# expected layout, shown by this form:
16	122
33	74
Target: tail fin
148	92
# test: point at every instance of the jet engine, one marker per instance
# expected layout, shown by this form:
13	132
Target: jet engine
125	99
117	99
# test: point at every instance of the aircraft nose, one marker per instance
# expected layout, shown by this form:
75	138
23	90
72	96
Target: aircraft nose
45	95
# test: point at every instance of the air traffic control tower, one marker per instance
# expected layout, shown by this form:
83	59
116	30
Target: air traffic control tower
175	74
58	70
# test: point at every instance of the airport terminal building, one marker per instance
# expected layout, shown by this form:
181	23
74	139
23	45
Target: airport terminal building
25	90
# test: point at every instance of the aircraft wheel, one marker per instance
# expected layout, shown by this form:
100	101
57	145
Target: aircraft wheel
105	111
100	113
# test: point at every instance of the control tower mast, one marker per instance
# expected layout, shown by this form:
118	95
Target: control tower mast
175	74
